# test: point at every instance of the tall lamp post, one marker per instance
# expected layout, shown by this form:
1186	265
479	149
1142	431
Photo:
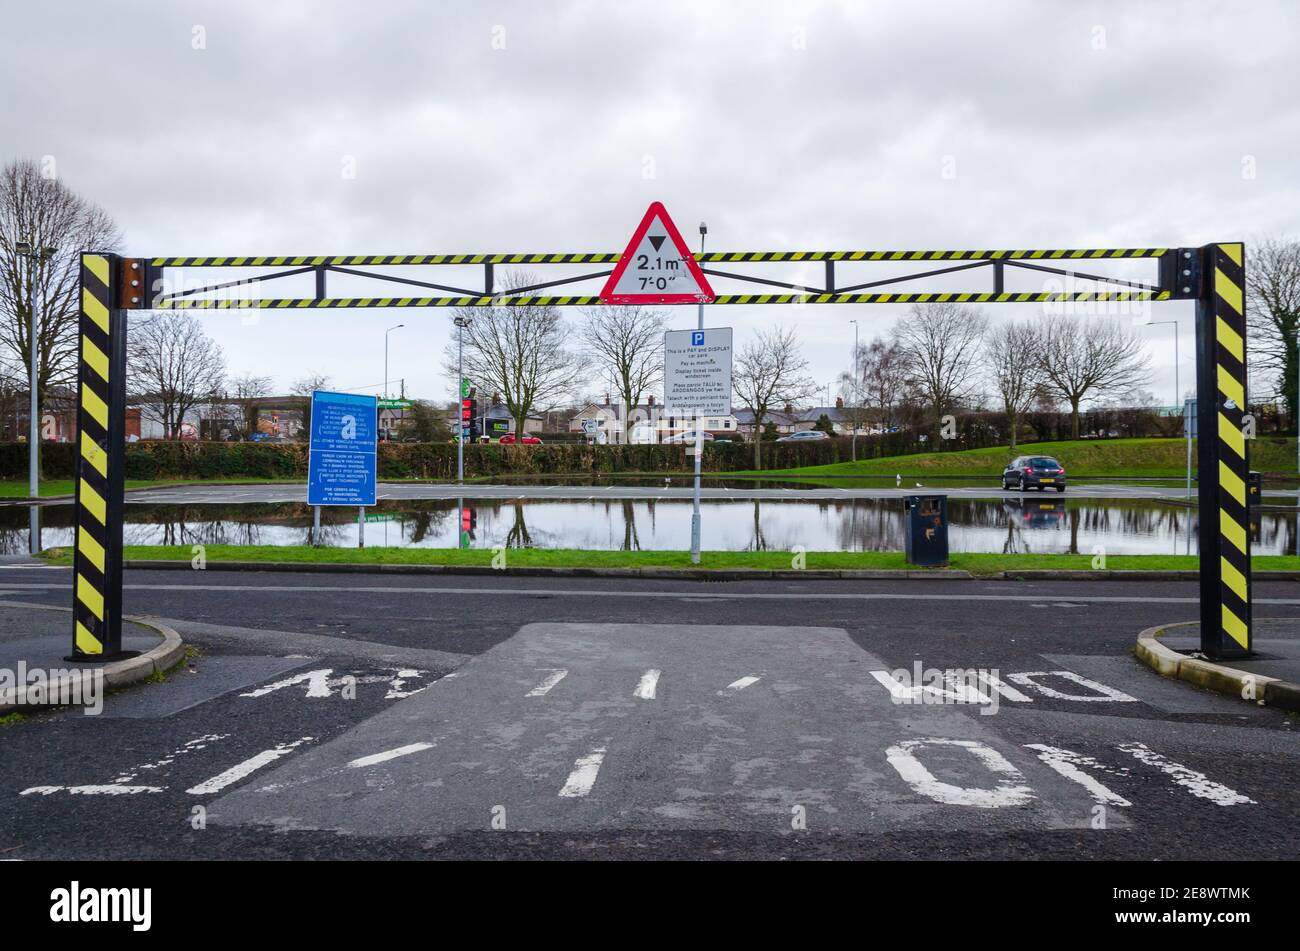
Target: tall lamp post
699	443
34	256
1178	393
386	333
461	323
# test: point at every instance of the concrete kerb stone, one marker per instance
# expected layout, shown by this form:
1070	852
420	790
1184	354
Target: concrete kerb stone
1244	685
116	674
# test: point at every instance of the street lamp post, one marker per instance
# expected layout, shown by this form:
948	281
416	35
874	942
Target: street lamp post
699	441
34	256
1178	393
386	333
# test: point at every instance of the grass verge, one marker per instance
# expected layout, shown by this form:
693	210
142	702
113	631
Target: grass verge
975	563
1080	457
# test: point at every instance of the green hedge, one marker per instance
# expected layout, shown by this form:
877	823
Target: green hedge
251	460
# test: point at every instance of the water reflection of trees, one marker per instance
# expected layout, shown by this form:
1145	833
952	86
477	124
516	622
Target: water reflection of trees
1013	524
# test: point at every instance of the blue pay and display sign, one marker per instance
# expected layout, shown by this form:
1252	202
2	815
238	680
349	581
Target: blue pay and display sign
343	449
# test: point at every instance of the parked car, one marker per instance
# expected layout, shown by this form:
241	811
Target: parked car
509	439
807	435
1025	472
685	437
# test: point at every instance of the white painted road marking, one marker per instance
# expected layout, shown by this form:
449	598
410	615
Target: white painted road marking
246	768
645	690
741	684
317	681
1009	790
1100	691
109	789
584	773
1068	763
390	754
6	586
1198	784
545	686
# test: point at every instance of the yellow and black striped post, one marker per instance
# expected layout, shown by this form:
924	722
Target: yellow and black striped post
1222	465
101	431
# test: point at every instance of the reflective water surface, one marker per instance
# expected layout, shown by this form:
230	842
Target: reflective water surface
976	525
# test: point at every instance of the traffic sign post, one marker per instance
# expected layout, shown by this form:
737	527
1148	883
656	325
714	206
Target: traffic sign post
656	267
343	452
697	371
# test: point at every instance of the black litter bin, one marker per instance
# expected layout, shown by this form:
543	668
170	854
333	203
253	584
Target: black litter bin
925	530
1254	488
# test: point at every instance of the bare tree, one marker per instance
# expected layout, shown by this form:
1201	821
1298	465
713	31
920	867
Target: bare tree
523	353
304	388
309	384
884	379
1273	310
1079	357
770	371
37	208
244	389
626	344
1011	357
172	366
940	349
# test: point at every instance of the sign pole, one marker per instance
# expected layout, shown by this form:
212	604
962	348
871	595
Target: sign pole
315	526
699	440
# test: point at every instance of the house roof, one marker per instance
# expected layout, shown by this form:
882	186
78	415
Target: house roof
745	417
836	414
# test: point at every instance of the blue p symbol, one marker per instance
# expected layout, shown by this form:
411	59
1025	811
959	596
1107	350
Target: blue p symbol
697	338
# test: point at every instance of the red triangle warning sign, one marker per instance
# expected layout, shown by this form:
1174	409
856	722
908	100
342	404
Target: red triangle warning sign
657	267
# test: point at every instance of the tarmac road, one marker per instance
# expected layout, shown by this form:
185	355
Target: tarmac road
351	716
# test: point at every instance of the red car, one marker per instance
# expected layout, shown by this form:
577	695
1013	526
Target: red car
509	439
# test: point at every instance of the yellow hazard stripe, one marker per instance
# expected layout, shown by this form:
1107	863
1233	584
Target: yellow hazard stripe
98	266
1232	436
93	405
94	309
95	358
1229	338
1235	627
1233	578
1231	387
1228	290
87	643
93	502
91	452
1233	532
1233	251
1232	482
91	549
90	596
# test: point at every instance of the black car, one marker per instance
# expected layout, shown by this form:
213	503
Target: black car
1029	471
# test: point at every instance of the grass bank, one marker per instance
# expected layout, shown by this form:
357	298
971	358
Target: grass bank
1080	457
573	558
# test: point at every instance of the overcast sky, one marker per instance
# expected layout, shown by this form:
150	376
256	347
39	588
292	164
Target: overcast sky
238	127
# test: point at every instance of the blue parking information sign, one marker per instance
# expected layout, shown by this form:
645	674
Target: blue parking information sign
343	449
